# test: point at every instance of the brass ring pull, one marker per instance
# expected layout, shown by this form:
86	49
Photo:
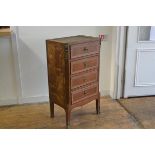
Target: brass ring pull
85	64
85	49
84	92
84	80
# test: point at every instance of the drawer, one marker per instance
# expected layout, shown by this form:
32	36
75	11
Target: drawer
84	79
84	64
84	49
84	93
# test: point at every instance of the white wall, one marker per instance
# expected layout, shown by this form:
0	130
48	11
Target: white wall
113	60
32	58
8	91
105	61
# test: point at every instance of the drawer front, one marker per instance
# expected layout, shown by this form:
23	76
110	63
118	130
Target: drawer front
84	79
84	64
84	49
84	93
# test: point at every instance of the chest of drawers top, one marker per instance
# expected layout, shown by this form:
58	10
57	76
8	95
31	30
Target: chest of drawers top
77	46
75	39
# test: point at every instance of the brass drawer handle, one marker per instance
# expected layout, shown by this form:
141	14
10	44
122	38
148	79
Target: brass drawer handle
85	49
84	79
84	92
85	64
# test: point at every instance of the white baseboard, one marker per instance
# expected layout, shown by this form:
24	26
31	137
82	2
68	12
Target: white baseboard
112	94
35	99
5	102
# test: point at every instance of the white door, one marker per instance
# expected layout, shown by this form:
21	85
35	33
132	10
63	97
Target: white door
140	61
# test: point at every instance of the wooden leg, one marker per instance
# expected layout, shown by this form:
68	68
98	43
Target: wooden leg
52	108
98	105
68	116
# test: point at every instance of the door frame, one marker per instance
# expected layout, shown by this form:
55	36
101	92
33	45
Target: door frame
16	61
119	62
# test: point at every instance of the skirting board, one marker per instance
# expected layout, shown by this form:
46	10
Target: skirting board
35	99
40	99
5	102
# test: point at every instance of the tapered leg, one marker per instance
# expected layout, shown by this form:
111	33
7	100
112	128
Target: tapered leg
98	105
68	116
52	109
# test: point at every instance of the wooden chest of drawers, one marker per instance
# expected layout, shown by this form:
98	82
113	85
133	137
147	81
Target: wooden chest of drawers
73	72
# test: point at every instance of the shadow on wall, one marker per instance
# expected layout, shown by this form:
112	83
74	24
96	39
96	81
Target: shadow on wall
33	71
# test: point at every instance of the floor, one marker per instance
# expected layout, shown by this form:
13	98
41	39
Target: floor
113	116
142	109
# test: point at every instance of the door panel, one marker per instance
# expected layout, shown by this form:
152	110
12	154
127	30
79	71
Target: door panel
145	74
140	62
